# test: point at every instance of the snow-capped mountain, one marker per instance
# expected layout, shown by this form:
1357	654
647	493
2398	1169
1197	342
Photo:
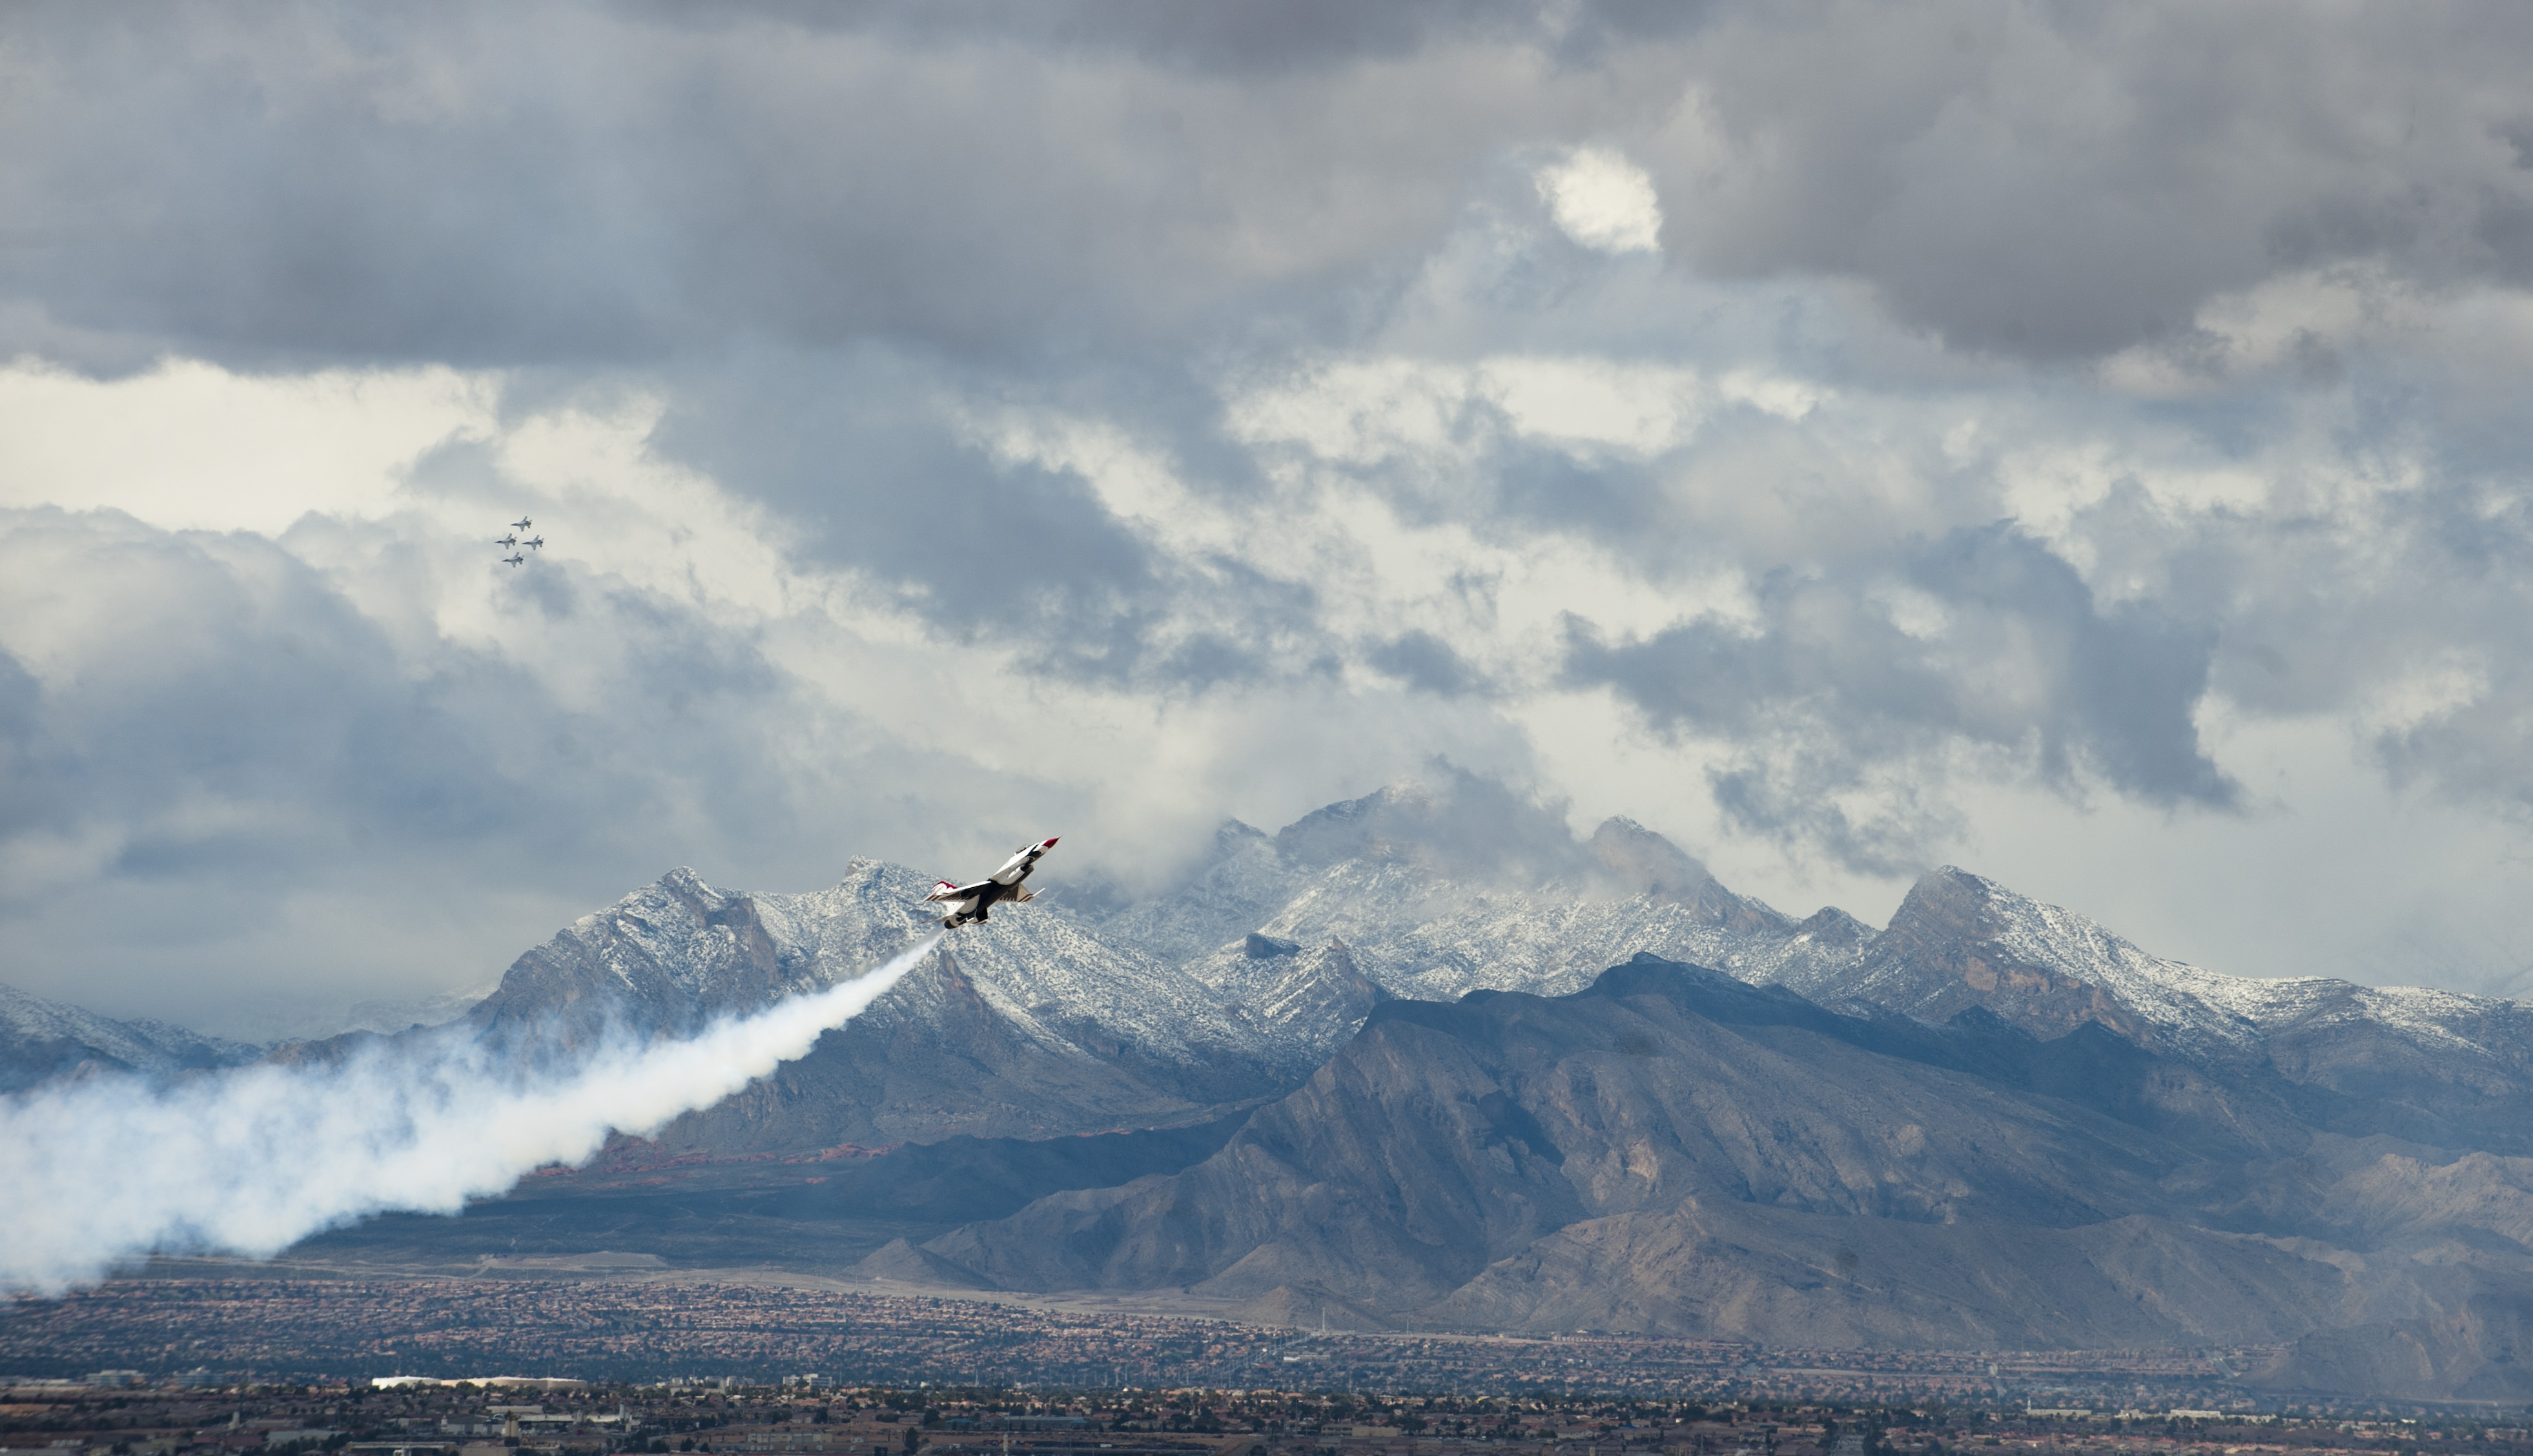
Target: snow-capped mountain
1227	989
1072	1015
1437	892
1435	898
1031	1024
2463	1062
1959	940
1082	1016
40	1040
678	951
1304	1003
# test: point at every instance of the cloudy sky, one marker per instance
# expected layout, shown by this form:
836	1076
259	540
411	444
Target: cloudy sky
2086	444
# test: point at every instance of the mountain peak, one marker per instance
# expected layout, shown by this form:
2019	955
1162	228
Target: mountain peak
1948	894
41	1038
1463	827
1833	927
1946	907
684	882
1647	863
1643	862
1959	940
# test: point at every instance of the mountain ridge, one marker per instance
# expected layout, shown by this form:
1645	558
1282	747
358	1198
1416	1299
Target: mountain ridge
1438	890
42	1039
1674	1152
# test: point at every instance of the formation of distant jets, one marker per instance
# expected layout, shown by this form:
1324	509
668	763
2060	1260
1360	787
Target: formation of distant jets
511	543
970	903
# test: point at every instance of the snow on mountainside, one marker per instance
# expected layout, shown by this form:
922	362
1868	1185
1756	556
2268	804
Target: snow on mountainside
1272	953
1237	889
1028	1025
1437	894
1959	940
1437	940
40	1038
1303	1003
679	952
1244	979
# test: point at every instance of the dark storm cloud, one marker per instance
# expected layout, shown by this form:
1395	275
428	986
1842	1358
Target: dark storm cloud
41	795
484	185
2061	181
1215	39
489	184
877	472
1426	663
878	476
1828	685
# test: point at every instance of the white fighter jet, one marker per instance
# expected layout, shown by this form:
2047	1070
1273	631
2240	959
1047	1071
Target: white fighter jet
966	902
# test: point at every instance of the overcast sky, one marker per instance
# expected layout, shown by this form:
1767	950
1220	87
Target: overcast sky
2084	445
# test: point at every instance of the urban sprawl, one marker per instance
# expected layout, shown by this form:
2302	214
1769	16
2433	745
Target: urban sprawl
561	1367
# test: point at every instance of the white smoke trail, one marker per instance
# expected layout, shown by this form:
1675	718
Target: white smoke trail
103	1172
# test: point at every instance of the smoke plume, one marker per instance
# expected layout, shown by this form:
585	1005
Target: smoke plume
109	1170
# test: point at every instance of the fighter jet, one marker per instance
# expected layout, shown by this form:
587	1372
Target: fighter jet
966	902
514	558
537	543
511	540
522	524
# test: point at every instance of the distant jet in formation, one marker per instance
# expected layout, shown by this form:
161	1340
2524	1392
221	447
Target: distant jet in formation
519	550
970	903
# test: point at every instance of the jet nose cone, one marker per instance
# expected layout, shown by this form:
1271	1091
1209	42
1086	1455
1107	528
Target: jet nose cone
1049	845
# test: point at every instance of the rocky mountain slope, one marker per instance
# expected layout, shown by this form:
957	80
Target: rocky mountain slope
2435	1066
1673	1151
1071	1017
1029	1026
40	1040
1227	990
1439	890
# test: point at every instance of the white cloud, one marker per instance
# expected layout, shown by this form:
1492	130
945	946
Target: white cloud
1603	201
190	445
1368	409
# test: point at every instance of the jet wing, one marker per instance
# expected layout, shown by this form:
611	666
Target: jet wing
1017	868
944	890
